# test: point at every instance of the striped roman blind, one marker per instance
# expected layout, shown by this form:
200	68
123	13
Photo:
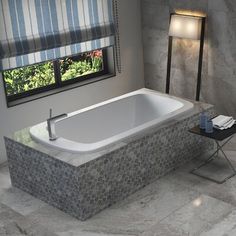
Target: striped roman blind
33	31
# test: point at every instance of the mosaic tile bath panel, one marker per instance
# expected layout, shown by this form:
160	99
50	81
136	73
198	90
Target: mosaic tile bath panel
86	189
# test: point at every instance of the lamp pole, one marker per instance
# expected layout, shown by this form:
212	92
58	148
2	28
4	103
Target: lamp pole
169	64
199	76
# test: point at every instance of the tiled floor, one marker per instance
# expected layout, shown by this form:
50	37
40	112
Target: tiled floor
178	204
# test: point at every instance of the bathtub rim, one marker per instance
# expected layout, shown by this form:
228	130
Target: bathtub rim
67	145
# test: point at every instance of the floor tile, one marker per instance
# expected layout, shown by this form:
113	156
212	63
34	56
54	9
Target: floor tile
5	182
131	216
4	169
14	198
26	227
218	169
231	145
7	215
193	218
20	201
227	227
147	206
225	192
83	233
15	224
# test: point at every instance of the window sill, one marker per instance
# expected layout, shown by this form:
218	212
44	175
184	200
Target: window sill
59	90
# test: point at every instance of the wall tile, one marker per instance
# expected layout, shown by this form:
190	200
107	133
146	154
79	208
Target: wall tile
222	5
199	5
183	82
219	62
154	77
155	47
156	13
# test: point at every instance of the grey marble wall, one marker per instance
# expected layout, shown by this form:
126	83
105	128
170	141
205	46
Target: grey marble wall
219	68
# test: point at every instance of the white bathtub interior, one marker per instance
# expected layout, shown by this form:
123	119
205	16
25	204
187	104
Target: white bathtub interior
115	118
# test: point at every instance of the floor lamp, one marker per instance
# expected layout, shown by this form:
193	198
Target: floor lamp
186	27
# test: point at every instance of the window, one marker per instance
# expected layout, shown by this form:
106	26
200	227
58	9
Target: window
81	65
23	80
23	84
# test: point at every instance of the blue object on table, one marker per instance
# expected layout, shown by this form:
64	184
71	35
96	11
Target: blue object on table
209	126
203	120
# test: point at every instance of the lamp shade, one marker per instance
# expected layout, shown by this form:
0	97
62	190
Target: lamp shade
188	27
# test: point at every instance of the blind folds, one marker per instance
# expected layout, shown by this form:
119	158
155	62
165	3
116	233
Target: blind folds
33	31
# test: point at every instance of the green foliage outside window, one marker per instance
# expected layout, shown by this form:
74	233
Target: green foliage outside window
84	64
36	76
28	78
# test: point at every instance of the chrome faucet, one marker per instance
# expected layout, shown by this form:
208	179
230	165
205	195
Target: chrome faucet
51	125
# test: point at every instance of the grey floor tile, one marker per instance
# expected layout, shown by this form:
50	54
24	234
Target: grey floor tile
7	215
64	225
231	145
163	230
16	199
15	224
26	227
193	218
5	182
225	192
231	154
227	227
130	217
83	233
20	201
182	176
218	169
4	168
147	206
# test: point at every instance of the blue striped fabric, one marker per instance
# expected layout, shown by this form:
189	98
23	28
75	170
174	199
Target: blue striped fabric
33	31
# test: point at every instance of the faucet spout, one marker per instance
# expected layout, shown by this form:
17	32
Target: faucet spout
51	126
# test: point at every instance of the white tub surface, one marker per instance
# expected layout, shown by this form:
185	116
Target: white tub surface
105	123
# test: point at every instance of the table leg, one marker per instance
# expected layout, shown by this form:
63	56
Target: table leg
227	159
211	158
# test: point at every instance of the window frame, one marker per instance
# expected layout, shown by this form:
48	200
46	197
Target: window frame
59	85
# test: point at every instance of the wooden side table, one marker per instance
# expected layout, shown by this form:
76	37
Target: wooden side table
218	136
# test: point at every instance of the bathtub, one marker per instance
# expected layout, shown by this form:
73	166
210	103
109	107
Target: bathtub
105	123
